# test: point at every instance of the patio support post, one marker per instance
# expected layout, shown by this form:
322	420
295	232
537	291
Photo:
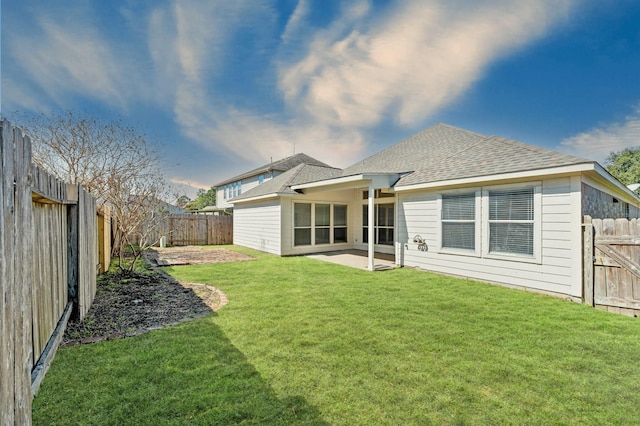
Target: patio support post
371	227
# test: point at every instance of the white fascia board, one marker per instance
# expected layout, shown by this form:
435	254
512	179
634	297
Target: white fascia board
380	180
261	198
329	182
527	174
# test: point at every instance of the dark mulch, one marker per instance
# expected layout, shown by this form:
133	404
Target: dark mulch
128	304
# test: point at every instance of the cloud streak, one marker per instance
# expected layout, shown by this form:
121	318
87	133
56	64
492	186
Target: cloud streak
366	67
409	65
599	142
324	89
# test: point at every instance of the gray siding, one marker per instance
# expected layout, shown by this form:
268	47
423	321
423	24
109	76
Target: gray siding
257	226
557	271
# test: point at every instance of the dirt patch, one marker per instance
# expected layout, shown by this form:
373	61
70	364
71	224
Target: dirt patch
191	255
128	304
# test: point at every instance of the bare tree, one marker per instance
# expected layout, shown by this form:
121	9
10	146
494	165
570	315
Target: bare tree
113	162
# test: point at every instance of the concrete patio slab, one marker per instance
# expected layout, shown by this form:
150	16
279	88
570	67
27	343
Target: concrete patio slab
356	259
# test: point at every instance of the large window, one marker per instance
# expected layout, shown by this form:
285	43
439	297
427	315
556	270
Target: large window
493	222
384	224
459	221
511	222
319	223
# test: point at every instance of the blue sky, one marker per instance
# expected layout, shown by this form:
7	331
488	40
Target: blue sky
223	86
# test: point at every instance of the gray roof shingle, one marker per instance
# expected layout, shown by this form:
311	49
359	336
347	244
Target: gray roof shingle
438	153
442	152
281	184
279	166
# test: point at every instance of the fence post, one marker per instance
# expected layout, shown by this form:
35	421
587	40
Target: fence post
587	261
16	276
72	247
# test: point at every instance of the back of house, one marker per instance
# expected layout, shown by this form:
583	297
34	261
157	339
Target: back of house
445	200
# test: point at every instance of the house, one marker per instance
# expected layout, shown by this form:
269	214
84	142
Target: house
237	185
445	200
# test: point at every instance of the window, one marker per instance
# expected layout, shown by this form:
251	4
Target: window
339	223
323	223
260	179
302	224
319	223
459	221
384	221
511	222
493	222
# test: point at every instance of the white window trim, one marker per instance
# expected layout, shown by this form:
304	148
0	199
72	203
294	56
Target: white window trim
482	223
383	201
537	223
478	207
313	224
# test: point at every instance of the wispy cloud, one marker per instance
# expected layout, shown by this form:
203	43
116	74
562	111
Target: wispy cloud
599	142
404	63
67	58
418	59
323	88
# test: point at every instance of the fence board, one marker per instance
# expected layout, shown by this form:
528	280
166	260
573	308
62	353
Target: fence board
23	256
192	229
616	265
34	272
15	342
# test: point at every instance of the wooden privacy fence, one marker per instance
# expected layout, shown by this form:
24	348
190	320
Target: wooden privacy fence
192	229
48	257
612	264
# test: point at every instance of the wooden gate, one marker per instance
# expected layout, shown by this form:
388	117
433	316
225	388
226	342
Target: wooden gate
612	265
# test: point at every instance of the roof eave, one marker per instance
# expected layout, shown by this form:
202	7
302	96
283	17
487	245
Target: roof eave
591	166
264	197
379	180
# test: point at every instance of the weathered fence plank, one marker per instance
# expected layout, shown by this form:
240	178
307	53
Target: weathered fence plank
587	261
34	273
192	229
616	265
15	271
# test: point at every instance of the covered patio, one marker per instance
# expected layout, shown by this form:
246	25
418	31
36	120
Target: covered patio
357	259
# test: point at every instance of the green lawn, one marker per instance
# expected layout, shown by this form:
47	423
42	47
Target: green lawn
306	342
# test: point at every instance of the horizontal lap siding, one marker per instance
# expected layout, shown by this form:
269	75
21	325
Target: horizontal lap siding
418	215
257	226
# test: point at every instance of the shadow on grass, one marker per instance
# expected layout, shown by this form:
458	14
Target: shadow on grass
187	374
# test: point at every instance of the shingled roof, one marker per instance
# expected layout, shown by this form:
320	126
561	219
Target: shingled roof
437	154
281	184
276	166
442	152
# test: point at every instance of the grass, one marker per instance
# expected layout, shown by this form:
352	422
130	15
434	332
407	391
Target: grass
306	342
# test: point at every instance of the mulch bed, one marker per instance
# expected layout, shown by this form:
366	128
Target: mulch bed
128	304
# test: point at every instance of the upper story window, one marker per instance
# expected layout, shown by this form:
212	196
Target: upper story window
260	179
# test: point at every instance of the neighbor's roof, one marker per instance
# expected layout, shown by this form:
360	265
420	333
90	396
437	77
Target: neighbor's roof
281	184
442	152
278	166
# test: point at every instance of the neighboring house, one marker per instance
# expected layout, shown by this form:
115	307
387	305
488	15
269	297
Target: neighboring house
238	185
446	200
